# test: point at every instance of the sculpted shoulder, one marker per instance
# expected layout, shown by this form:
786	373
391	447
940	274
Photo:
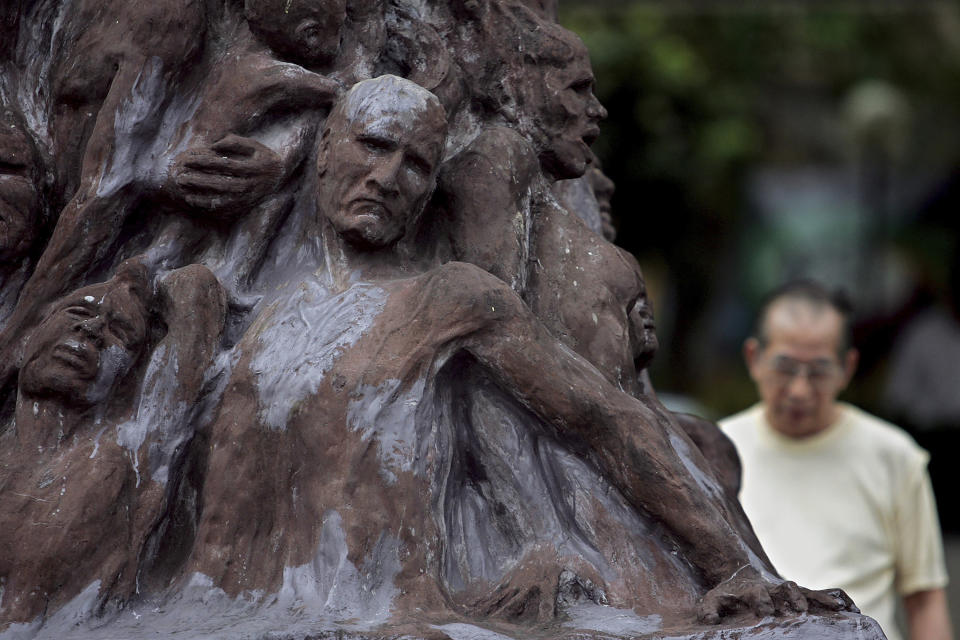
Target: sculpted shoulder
169	32
470	292
502	151
270	80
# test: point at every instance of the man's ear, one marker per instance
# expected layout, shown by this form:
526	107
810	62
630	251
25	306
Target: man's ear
751	355
850	360
323	150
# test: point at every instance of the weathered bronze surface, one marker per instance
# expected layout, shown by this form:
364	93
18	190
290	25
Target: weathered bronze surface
311	325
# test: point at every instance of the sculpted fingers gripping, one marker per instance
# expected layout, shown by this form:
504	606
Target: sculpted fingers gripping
748	591
227	177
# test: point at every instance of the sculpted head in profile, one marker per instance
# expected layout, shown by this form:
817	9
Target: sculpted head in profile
643	330
567	113
378	160
19	193
81	355
547	94
603	188
304	31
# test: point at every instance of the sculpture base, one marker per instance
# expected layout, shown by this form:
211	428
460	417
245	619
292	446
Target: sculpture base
803	627
623	626
585	622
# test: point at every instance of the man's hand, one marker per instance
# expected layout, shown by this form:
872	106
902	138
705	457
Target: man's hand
226	178
747	590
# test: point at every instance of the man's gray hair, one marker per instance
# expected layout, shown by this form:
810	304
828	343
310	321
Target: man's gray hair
818	297
385	97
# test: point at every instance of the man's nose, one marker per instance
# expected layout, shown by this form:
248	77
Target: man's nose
92	328
385	172
596	110
799	385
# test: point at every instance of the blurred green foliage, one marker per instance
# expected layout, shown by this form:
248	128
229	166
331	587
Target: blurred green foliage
700	96
693	95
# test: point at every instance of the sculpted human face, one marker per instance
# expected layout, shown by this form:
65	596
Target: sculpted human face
603	190
86	346
570	117
19	200
375	173
307	31
643	331
799	372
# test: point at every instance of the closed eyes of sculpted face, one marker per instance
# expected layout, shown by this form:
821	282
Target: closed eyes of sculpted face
86	346
116	324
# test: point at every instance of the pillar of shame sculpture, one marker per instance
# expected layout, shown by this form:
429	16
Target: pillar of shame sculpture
309	329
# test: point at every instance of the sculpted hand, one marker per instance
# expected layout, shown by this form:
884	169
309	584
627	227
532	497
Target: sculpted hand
226	178
747	590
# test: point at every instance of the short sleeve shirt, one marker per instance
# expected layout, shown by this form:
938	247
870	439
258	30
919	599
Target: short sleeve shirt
849	507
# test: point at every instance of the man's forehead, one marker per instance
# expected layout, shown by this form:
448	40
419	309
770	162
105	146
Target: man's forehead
416	131
387	122
117	299
387	97
577	68
803	324
90	297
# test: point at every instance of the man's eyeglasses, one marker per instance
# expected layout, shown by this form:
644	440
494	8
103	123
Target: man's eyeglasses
818	372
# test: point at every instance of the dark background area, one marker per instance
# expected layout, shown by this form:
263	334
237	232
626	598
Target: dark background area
754	142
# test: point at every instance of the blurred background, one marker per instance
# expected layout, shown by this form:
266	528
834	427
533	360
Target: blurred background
754	142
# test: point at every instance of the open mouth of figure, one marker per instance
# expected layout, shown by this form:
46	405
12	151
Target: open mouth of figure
590	136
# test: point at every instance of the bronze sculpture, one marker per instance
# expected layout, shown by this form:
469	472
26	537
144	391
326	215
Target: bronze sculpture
374	409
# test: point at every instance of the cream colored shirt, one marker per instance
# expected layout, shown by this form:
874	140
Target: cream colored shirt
849	507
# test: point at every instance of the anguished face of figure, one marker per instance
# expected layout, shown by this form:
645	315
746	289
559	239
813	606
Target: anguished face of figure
603	189
567	113
303	31
378	160
86	345
574	113
643	330
19	198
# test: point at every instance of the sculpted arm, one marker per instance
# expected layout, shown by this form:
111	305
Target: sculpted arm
226	169
195	308
632	443
85	230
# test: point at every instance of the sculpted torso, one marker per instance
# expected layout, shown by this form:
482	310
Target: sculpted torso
363	447
583	288
580	286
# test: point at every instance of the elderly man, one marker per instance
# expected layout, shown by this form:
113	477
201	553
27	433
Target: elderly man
837	497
